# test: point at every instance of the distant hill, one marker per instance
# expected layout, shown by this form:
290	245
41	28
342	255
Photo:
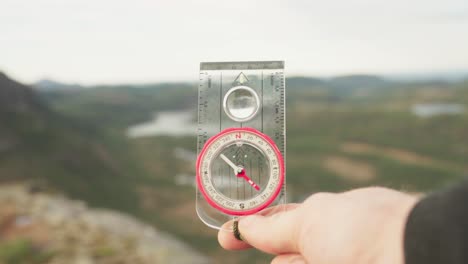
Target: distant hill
335	88
358	81
339	85
298	82
447	76
99	104
51	85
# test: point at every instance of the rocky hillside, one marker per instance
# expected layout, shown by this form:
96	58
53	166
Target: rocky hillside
15	97
43	228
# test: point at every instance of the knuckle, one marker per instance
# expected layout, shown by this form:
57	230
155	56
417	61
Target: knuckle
368	191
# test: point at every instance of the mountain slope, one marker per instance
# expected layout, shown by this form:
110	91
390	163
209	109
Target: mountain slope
39	146
15	97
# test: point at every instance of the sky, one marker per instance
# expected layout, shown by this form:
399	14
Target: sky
140	41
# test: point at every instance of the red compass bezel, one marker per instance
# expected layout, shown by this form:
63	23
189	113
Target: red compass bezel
261	206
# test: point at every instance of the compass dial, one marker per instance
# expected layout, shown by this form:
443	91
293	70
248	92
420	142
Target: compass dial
240	171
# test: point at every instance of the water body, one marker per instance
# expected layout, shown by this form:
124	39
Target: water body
179	123
435	109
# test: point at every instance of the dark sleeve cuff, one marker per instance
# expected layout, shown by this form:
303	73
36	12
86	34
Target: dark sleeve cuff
437	228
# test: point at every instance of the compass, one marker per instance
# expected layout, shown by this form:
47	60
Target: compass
240	171
241	140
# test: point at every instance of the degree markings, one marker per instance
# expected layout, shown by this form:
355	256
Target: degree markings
245	138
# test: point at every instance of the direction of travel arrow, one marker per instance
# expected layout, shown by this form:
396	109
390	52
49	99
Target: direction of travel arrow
241	79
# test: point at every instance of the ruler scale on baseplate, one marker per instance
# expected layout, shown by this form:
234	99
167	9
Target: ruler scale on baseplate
241	139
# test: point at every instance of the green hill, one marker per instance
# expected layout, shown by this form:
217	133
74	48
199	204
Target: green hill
45	149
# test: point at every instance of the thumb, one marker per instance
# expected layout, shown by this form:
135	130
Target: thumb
275	234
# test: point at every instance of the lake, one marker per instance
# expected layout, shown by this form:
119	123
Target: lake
434	109
177	123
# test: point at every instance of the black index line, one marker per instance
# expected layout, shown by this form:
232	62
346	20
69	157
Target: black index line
230	187
251	191
237	187
244	169
260	170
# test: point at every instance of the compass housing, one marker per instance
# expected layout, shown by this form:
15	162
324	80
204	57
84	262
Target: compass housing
240	204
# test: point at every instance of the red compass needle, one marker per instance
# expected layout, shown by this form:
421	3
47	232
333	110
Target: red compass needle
240	172
243	175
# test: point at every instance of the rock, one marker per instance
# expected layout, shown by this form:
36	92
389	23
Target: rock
78	234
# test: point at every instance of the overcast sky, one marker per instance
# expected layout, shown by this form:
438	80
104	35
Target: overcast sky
112	41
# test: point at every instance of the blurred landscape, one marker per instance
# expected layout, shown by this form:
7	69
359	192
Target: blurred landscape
105	174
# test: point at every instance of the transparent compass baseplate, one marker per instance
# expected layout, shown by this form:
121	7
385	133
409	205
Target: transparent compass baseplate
240	168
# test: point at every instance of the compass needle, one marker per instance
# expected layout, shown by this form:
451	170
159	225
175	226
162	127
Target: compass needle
247	178
230	163
239	171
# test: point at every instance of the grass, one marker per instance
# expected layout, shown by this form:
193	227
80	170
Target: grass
21	251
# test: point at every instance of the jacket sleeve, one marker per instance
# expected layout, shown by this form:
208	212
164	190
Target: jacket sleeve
437	228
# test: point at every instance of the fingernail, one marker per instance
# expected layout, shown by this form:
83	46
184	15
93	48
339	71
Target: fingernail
298	260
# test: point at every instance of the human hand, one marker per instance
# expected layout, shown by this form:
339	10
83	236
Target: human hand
359	226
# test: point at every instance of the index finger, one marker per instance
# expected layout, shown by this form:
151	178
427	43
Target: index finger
275	234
